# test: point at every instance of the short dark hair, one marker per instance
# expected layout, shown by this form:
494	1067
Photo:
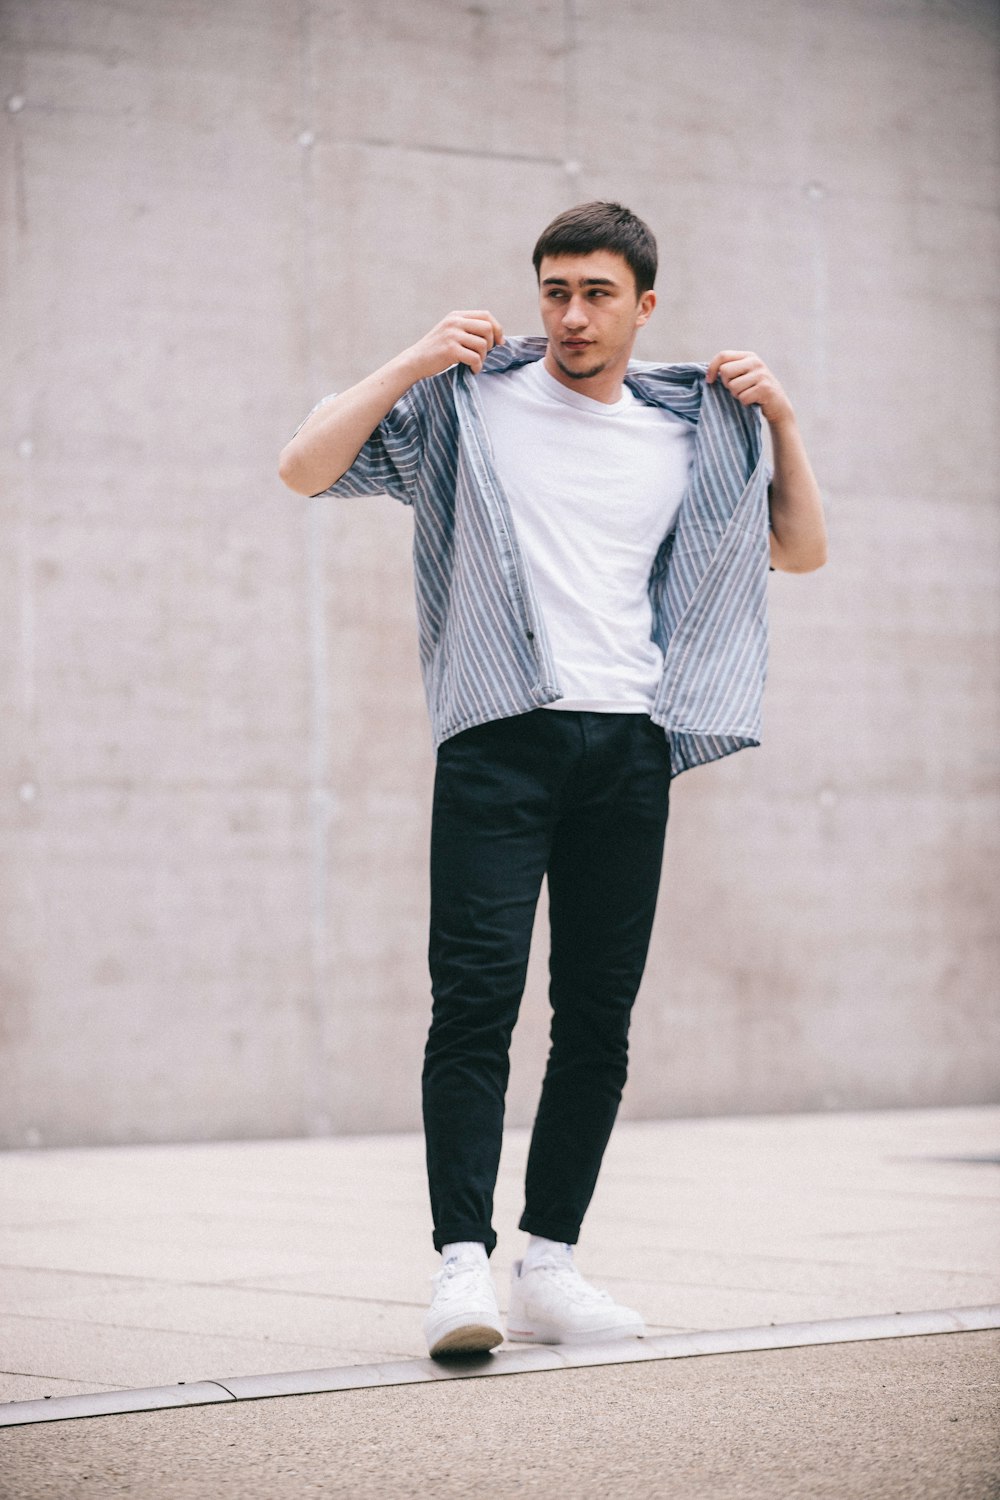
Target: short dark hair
602	226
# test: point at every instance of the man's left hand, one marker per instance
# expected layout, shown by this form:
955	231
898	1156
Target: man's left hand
746	376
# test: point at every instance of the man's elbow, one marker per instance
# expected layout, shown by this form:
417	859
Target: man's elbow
801	560
290	473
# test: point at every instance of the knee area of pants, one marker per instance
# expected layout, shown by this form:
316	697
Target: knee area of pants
608	1070
476	1015
485	1043
594	1033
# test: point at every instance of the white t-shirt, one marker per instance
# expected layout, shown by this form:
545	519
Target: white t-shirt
593	489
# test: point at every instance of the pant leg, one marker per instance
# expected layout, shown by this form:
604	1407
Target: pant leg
496	796
604	875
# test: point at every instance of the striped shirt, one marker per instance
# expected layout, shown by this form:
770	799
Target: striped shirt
484	652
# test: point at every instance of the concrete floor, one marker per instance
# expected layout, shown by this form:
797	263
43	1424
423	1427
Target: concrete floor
151	1265
144	1266
909	1419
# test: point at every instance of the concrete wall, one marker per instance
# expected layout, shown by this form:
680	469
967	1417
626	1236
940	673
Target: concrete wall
214	760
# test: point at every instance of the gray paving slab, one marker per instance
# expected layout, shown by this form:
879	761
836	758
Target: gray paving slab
716	1306
224	1311
29	1289
109	1354
148	1265
45	1388
879	1421
701	1268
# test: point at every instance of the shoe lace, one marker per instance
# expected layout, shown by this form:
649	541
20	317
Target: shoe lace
453	1278
568	1279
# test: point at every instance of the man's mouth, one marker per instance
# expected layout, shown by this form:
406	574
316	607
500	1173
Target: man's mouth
577	343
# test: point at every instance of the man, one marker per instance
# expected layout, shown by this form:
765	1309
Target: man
592	543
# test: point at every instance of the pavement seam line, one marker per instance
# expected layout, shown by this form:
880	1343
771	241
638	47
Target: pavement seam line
521	1360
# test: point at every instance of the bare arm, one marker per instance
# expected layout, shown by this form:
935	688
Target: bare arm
325	447
798	525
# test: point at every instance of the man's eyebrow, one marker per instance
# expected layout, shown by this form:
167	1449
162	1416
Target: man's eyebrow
587	281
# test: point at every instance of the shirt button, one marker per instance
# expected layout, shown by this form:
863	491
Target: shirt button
530	634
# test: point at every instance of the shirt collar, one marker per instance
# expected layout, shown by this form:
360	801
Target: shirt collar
678	387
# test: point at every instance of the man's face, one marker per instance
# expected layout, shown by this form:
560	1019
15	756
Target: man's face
591	314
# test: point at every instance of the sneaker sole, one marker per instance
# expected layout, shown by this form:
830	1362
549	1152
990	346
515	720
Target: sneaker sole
467	1338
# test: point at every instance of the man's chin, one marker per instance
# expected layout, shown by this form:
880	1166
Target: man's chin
589	374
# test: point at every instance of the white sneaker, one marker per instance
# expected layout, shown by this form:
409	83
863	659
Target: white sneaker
550	1303
463	1317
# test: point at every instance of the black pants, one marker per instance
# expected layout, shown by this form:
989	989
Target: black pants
583	798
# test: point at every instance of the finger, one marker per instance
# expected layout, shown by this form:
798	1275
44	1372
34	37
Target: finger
738	369
493	329
724	357
478	342
742	384
488	331
471	358
472	351
478	315
481	327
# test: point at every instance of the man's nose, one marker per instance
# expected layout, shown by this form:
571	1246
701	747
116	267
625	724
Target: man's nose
576	314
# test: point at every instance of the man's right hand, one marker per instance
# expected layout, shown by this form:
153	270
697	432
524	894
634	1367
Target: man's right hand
461	338
330	440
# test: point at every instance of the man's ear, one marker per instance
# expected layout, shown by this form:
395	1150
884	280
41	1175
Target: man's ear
645	308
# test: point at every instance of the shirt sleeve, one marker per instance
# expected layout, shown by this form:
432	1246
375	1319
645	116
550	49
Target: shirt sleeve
390	460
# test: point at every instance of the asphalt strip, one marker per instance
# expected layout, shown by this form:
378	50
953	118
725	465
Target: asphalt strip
526	1360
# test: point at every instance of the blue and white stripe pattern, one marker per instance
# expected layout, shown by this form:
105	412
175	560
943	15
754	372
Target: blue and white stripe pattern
484	651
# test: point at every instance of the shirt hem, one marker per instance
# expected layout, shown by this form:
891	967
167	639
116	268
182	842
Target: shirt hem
599	706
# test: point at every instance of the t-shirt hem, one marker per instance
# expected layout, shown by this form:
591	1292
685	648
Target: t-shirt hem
599	706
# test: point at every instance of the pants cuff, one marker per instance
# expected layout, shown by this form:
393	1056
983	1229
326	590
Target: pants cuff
451	1234
564	1233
